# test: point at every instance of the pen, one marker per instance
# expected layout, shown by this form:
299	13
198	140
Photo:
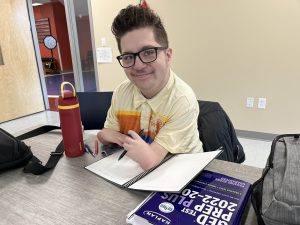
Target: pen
88	149
96	147
124	152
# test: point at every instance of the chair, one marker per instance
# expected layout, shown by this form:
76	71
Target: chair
216	129
93	108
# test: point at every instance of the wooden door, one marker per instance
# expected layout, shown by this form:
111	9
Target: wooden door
20	89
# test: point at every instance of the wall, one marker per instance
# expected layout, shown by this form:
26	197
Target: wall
20	91
226	50
103	13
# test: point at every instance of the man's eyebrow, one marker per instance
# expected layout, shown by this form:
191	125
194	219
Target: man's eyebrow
146	47
143	48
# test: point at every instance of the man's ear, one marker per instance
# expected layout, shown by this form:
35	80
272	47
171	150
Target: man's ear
169	53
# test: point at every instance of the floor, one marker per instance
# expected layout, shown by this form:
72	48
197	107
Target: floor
256	151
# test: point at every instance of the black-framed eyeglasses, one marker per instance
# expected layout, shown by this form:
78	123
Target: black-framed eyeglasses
146	56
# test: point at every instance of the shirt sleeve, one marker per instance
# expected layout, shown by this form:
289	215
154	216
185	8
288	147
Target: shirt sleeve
180	134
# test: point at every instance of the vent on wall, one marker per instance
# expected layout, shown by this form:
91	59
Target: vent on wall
42	28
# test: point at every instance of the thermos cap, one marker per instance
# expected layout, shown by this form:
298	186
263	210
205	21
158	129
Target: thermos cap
67	99
68	94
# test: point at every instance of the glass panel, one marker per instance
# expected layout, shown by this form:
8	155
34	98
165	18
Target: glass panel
85	45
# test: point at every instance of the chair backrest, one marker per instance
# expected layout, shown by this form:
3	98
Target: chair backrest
216	130
93	108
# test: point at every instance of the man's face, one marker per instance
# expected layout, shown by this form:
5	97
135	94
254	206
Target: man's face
150	78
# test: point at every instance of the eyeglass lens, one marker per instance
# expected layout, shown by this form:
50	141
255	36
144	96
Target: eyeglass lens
146	56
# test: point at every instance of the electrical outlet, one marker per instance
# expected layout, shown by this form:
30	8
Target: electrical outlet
262	102
250	102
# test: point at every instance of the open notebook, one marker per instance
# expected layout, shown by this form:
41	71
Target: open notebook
172	175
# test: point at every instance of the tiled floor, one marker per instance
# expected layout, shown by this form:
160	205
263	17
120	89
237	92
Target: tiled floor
256	151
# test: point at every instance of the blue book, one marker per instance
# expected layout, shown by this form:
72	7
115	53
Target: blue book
211	198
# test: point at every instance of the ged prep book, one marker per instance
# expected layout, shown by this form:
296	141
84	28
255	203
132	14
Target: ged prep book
211	198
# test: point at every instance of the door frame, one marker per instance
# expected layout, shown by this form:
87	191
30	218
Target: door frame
38	56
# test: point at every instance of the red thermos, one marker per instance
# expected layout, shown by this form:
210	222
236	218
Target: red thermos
70	122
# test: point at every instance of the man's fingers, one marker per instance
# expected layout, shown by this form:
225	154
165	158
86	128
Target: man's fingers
133	134
128	139
125	146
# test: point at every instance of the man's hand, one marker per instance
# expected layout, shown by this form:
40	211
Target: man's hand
135	146
143	153
107	136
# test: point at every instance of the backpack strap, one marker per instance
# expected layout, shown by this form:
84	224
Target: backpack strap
256	197
35	166
276	139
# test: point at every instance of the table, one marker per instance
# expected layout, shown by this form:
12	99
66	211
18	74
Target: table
70	194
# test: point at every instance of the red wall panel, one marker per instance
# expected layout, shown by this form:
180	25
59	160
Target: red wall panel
56	13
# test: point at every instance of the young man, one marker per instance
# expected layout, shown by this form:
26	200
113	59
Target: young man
154	112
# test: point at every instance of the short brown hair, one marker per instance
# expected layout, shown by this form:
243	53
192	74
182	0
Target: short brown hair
134	17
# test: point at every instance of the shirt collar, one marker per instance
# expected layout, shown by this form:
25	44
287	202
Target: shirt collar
154	102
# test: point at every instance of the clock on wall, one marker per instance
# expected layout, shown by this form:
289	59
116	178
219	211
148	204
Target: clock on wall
50	42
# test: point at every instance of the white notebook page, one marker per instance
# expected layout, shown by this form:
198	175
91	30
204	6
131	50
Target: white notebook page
175	173
117	171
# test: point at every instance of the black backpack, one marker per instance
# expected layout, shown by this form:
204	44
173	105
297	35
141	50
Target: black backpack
15	153
216	130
